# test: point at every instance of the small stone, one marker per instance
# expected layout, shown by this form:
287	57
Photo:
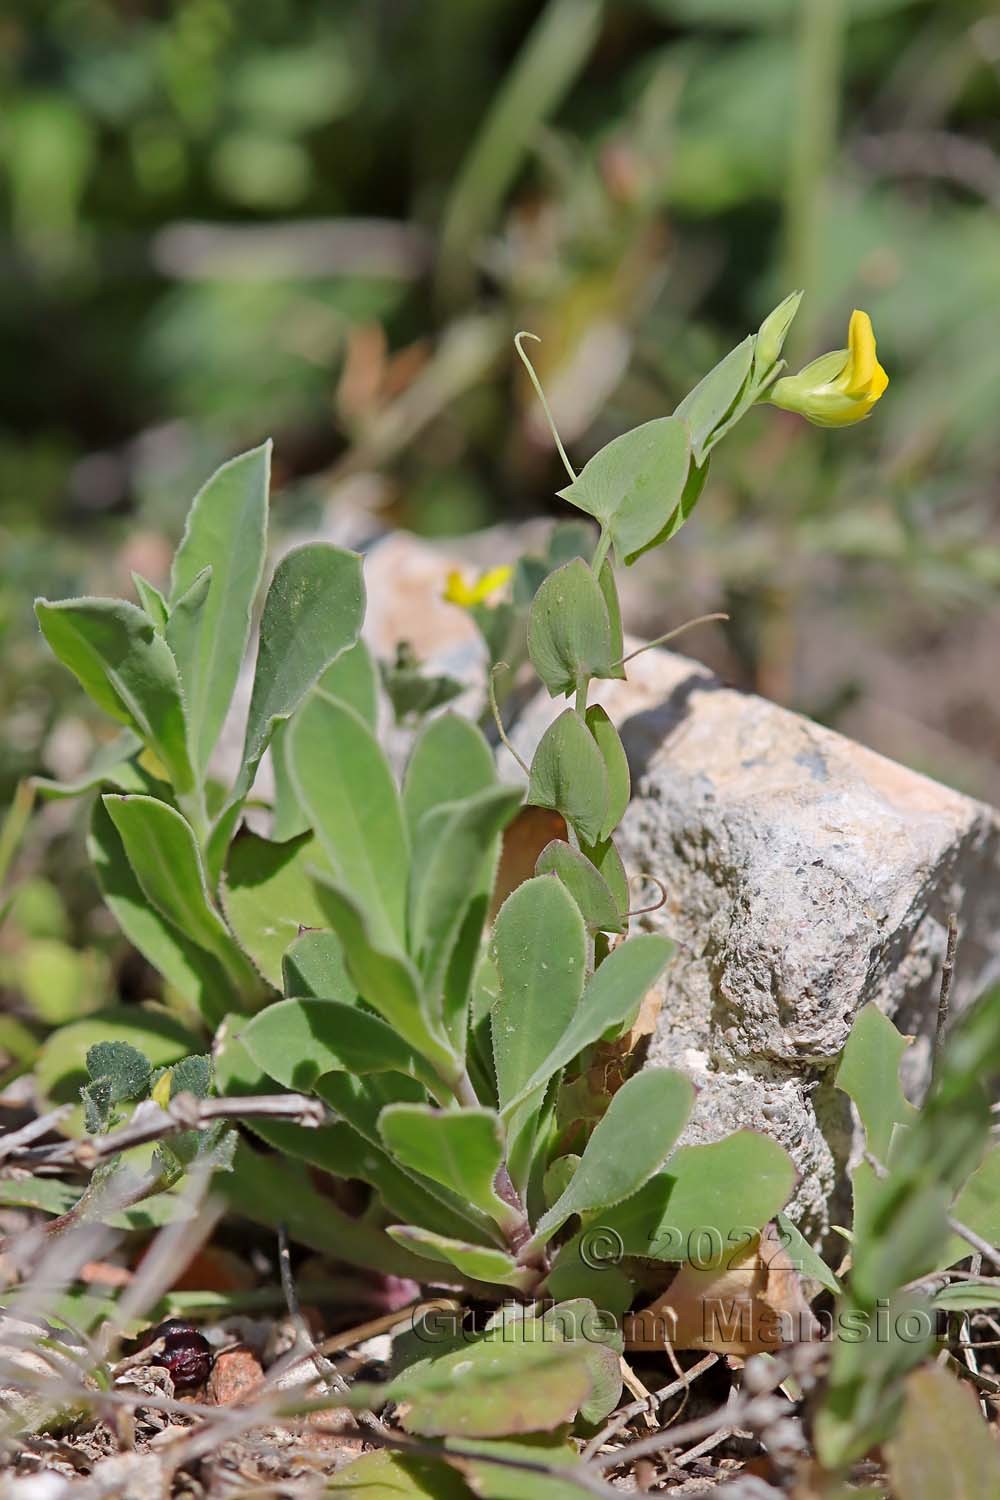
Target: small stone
236	1377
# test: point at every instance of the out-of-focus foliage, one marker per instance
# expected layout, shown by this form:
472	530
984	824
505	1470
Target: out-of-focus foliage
326	222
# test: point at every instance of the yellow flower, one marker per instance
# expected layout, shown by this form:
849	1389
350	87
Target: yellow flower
838	388
457	591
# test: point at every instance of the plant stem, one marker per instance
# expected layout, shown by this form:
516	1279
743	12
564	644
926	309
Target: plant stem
813	139
600	551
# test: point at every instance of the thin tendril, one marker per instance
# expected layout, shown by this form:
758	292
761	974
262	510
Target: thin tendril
497	719
524	334
661	640
640	911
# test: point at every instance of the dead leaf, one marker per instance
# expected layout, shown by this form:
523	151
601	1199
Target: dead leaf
752	1303
523	842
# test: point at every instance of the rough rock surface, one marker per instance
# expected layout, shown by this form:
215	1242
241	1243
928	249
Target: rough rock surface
805	876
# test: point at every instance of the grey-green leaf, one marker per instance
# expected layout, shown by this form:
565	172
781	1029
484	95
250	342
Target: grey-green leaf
461	1149
297	1041
450	760
454	861
313	611
152	601
345	786
114	651
868	1072
164	855
568	774
707	406
630	1143
615	763
193	972
314	966
633	485
585	884
268	896
611	998
539	948
226	530
482	1262
569	632
385	979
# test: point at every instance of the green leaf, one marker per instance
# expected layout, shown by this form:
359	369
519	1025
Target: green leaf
634	484
182	634
868	1072
225	531
449	762
345	786
313	611
268	896
454	861
113	766
539	948
314	966
461	1149
690	495
195	974
569	633
615	763
608	863
481	1262
352	679
396	1476
609	589
568	774
125	1069
943	1449
803	1257
771	337
270	1190
152	601
113	650
493	1389
297	1041
968	1296
707	406
977	1207
61	1069
585	884
709	1201
582	1320
192	1075
164	855
629	1144
611	998
386	980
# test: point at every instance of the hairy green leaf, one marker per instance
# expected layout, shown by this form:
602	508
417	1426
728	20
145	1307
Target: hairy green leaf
226	531
585	884
568	774
629	1144
569	632
268	897
481	1262
298	1041
611	998
449	762
113	650
461	1149
344	784
615	763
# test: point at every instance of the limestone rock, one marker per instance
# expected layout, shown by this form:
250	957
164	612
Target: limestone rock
804	876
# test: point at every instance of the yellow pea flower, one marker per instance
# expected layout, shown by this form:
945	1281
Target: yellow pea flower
838	388
458	591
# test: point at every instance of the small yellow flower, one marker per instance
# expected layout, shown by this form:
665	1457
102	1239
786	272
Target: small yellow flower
838	388
457	591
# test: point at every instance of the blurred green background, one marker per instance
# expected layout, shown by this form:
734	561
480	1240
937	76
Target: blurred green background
324	223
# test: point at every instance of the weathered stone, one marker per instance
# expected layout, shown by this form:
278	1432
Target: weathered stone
804	876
